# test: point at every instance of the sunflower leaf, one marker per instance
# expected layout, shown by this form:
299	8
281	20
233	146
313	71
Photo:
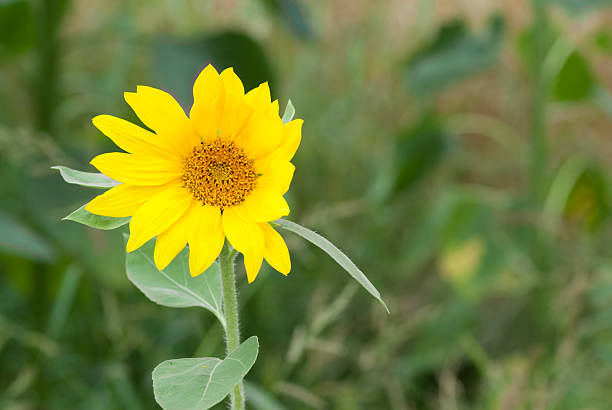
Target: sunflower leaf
335	253
174	286
84	217
200	383
89	179
289	112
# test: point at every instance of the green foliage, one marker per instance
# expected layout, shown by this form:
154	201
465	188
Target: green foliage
530	38
292	14
65	299
18	239
201	383
582	6
260	399
453	55
603	40
575	80
174	286
569	73
499	299
589	200
16	26
419	151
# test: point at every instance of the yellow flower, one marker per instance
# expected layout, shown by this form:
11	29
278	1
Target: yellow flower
219	173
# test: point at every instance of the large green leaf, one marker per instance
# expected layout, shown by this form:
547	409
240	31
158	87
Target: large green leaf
178	59
603	40
18	239
84	217
200	383
335	253
174	286
580	193
589	200
453	55
575	80
89	179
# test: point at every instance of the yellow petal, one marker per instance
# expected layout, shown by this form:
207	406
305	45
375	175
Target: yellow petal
274	174
208	97
263	205
263	111
286	148
205	237
136	169
122	200
159	111
292	136
276	252
246	236
131	137
262	133
252	264
235	110
172	241
158	214
259	97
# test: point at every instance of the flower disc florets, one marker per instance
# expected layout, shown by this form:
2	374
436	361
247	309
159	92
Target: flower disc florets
219	174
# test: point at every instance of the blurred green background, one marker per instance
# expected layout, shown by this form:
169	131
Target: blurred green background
458	151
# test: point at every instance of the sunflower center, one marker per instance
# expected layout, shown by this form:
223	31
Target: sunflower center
219	174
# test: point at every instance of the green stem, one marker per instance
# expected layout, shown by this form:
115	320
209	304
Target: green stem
230	306
539	151
539	145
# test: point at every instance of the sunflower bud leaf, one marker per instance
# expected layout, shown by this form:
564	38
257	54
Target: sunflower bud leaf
289	112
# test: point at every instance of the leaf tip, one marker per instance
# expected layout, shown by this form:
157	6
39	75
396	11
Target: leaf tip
382	302
254	339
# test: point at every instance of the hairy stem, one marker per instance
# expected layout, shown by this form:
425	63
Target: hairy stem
230	307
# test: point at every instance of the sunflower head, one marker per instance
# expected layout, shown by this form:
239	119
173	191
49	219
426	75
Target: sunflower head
219	173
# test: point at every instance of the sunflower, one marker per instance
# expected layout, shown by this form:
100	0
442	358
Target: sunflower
219	173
